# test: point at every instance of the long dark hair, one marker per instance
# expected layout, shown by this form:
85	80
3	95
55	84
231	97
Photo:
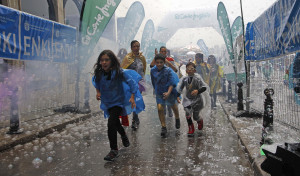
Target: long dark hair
115	65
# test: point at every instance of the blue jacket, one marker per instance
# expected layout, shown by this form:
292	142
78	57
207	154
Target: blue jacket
161	80
117	91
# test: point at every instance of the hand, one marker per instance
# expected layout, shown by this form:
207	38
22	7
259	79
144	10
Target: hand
98	96
166	95
168	63
194	93
131	100
156	52
178	100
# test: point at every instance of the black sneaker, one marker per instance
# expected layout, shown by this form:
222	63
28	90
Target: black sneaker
112	155
134	124
163	132
177	124
125	141
137	121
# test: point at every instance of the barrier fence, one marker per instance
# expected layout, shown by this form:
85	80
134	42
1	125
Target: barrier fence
40	88
275	74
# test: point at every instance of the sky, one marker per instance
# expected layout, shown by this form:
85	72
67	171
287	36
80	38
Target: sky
156	9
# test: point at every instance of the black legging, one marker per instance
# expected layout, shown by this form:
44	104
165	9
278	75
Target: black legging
114	126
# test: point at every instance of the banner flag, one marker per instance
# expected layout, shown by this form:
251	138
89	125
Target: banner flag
147	35
225	29
236	29
132	23
95	15
203	47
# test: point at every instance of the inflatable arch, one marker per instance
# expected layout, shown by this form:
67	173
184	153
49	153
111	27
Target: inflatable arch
196	18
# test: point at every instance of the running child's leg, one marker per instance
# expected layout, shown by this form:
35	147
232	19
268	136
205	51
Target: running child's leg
176	112
198	118
135	120
170	113
188	114
161	115
122	132
113	122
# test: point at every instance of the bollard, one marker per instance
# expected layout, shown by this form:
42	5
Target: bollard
268	117
240	104
14	112
229	92
224	87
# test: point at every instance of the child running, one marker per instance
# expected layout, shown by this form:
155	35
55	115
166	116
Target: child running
192	100
118	91
164	81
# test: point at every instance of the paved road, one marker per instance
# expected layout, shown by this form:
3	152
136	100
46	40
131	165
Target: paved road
80	149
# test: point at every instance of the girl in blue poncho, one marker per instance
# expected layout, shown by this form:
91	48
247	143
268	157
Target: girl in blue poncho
164	81
118	91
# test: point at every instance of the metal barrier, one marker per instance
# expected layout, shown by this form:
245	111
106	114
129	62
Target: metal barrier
274	74
42	87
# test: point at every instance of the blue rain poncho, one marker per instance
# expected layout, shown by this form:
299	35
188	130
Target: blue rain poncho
161	80
117	92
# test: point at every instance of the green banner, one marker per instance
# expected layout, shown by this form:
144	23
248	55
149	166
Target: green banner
94	18
236	28
225	29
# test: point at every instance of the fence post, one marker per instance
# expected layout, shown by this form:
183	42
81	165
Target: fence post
268	117
229	92
240	104
14	113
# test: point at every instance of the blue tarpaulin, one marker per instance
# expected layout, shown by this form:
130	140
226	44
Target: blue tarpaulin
27	37
275	33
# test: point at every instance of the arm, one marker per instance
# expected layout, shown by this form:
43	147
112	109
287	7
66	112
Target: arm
171	66
171	83
131	100
98	95
153	61
133	85
152	64
180	85
201	86
166	94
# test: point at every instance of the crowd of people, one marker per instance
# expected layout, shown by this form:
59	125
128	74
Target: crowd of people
119	82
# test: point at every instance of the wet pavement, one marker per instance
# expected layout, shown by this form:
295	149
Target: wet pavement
80	148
